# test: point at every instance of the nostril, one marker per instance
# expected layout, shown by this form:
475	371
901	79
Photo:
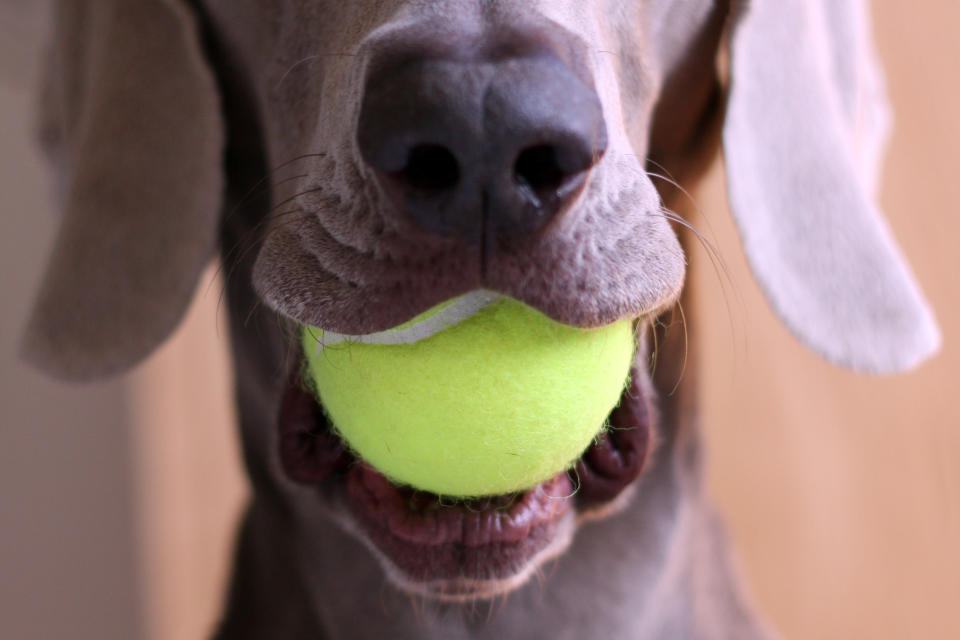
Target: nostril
537	169
431	167
545	171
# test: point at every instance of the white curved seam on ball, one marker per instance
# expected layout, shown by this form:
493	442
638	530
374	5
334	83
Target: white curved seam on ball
454	313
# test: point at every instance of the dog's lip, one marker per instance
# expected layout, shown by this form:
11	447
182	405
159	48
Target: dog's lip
423	519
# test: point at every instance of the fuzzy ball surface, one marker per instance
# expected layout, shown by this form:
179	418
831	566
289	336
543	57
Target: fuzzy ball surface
498	402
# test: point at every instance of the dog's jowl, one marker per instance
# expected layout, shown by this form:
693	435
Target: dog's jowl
453	245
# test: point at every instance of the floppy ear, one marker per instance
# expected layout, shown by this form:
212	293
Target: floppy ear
805	126
132	122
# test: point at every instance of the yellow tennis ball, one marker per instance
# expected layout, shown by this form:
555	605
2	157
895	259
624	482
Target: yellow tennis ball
480	396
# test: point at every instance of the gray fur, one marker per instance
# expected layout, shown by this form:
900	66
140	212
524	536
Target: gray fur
803	195
135	122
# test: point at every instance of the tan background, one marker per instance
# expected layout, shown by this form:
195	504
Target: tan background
842	492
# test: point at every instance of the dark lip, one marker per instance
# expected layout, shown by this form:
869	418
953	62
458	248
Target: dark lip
452	546
429	539
422	519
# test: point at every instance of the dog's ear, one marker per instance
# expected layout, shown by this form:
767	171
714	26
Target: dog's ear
805	126
132	122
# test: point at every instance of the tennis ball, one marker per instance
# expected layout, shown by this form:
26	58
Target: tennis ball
482	395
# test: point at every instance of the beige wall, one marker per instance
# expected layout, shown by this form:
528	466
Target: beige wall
842	492
190	484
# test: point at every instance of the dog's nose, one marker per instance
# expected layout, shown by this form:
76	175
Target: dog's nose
466	147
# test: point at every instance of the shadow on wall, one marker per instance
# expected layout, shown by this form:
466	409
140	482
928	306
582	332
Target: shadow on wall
67	549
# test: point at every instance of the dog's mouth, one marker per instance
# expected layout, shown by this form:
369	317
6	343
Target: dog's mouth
463	549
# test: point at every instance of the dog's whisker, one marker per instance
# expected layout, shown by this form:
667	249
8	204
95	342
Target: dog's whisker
656	347
293	67
725	279
696	209
307	59
503	602
271	217
717	263
384	587
707	244
491	608
287	201
729	279
415	607
260	183
276	224
249	237
541	579
576	474
669	179
229	264
253	310
218	271
261	187
686	349
290	179
246	245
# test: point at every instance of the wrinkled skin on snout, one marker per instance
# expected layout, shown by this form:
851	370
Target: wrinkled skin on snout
343	251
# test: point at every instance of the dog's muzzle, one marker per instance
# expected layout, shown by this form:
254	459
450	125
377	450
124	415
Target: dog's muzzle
466	147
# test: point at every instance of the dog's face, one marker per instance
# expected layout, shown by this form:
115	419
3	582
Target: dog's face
357	96
418	150
431	149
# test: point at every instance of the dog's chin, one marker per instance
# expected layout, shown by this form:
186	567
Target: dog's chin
462	550
459	551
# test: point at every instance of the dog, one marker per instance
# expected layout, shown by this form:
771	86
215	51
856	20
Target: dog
356	163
